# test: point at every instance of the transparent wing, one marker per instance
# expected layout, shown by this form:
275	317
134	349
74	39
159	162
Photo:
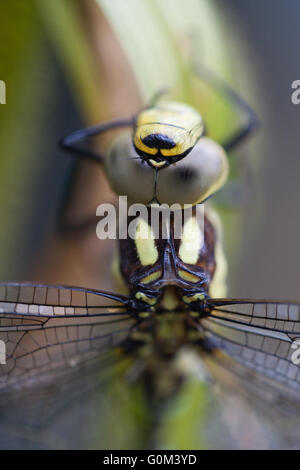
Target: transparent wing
40	300
260	342
50	332
257	413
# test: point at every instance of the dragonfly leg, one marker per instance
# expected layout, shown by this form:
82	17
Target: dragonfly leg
157	96
74	142
251	122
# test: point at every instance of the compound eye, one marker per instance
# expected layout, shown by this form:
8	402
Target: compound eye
127	173
196	177
189	181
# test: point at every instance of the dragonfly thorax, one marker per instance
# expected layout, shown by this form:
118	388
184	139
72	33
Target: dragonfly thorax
173	272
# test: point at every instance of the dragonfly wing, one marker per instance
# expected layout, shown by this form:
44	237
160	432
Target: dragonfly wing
249	357
260	337
50	332
40	300
257	414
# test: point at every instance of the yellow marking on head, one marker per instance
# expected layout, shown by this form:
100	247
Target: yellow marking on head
177	150
191	242
145	298
145	244
188	276
151	277
193	298
180	122
157	164
141	146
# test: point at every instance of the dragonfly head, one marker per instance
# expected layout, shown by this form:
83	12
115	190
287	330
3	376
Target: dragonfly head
165	133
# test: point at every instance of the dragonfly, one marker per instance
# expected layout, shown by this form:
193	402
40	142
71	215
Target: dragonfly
169	318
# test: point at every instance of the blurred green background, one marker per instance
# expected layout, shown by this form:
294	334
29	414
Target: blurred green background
72	63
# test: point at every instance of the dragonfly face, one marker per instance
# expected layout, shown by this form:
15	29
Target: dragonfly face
163	136
165	133
190	181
